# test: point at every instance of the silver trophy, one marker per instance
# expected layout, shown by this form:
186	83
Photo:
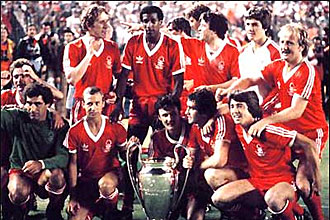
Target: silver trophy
156	184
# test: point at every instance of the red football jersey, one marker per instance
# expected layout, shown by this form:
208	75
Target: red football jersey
221	66
225	131
162	145
97	155
302	81
153	70
10	97
104	64
269	157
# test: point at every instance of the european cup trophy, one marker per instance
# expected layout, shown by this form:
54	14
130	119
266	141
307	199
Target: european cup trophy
156	184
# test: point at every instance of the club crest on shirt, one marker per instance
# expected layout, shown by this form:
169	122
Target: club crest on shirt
292	89
221	65
160	63
201	61
188	61
260	152
109	63
85	147
107	147
139	60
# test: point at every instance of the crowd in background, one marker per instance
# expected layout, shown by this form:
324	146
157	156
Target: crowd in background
51	18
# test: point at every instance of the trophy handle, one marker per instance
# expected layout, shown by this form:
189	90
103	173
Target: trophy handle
130	171
176	203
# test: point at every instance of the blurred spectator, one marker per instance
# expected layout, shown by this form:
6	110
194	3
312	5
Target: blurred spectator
12	16
29	48
49	42
7	48
74	21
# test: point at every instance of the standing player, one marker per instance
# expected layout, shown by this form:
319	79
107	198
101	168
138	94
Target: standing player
38	156
93	145
193	16
90	60
180	28
154	59
259	52
220	58
269	157
301	102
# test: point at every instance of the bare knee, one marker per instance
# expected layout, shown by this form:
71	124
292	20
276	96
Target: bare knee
57	180
19	190
211	177
107	184
304	186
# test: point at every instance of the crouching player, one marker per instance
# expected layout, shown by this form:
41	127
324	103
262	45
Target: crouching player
38	157
271	171
93	144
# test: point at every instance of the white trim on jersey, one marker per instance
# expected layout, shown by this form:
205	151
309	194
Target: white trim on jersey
89	132
310	82
155	49
248	138
216	53
287	75
318	140
18	100
181	138
178	72
126	66
282	132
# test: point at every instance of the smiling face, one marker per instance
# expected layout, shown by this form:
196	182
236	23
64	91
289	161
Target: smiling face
151	25
291	51
93	105
254	30
170	118
36	107
100	26
240	113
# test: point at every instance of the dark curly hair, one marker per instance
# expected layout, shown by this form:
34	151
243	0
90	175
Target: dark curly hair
204	102
152	9
197	10
260	14
166	102
217	22
35	89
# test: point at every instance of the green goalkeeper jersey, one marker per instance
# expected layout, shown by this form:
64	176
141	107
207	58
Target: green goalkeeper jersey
34	140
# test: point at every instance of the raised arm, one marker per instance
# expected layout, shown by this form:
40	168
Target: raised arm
74	74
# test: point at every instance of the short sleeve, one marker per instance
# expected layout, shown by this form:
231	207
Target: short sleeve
234	68
279	136
128	54
268	74
71	141
177	58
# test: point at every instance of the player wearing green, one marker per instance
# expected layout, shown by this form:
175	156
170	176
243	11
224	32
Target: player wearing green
38	156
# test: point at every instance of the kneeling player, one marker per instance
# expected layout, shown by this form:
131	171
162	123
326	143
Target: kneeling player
93	144
269	157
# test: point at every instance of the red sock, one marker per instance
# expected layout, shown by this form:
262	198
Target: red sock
314	206
288	212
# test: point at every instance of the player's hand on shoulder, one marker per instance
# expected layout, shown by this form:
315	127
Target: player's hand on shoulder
256	129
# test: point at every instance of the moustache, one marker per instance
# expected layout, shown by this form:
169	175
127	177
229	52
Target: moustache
286	51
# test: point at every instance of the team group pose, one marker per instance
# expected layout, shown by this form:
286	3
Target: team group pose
245	113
